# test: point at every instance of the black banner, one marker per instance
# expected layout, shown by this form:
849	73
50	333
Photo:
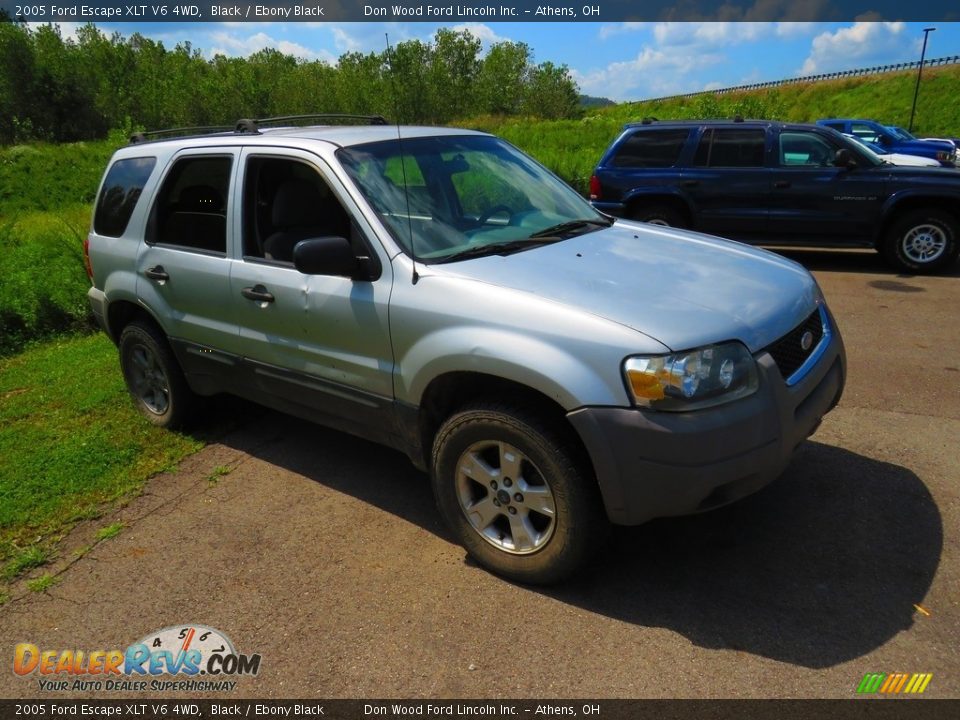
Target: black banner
172	709
474	10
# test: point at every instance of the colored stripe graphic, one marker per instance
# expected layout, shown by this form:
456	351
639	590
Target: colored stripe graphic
918	683
871	682
894	683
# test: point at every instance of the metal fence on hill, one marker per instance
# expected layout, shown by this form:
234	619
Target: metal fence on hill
951	60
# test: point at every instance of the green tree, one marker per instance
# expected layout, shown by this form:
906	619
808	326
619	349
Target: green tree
453	74
551	92
503	77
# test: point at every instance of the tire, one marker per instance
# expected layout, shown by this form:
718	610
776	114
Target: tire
537	527
922	241
153	376
662	215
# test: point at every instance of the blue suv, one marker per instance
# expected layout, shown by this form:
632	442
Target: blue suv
943	151
780	184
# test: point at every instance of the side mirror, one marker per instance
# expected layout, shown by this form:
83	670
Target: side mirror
325	256
844	159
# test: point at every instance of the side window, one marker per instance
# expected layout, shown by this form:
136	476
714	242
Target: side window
286	201
865	132
839	127
191	206
731	147
121	190
651	149
804	149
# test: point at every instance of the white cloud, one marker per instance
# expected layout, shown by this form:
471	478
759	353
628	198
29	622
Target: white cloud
225	43
345	42
709	34
609	30
796	29
863	43
68	30
654	72
482	32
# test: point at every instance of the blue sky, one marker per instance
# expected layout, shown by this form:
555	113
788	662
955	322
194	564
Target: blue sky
622	61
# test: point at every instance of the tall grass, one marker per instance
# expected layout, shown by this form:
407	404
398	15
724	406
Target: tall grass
44	282
46	193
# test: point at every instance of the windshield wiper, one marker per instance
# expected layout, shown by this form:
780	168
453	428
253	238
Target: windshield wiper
571	226
498	248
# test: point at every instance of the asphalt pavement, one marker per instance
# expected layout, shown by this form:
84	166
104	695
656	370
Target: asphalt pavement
325	555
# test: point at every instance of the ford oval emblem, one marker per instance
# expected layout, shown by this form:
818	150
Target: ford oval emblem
806	341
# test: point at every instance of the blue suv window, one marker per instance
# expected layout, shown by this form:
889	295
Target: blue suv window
731	147
651	148
804	149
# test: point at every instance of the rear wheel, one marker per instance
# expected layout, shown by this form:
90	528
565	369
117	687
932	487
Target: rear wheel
922	241
153	376
663	215
514	495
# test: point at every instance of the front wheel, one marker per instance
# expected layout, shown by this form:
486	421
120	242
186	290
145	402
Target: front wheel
922	241
514	495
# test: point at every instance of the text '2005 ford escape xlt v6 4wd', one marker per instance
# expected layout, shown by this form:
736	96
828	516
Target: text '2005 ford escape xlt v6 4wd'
438	291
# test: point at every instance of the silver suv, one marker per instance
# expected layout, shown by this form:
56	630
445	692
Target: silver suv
438	291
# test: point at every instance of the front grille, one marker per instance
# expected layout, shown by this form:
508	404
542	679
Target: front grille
788	351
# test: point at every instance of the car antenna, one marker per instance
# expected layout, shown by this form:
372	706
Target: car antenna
403	165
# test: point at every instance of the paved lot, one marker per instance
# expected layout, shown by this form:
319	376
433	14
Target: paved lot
325	554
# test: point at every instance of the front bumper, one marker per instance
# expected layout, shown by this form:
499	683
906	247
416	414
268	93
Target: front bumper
654	464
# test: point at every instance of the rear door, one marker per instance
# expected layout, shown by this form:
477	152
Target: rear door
183	268
728	182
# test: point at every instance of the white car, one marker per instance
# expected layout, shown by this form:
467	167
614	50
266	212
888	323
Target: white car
895	158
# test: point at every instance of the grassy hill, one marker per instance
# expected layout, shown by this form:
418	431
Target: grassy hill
572	147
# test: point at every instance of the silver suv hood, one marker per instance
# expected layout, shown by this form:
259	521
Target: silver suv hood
681	288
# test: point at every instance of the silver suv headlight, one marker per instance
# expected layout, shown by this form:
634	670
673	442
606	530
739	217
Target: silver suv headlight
692	379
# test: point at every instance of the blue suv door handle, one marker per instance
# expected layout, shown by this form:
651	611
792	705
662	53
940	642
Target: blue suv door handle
782	184
690	183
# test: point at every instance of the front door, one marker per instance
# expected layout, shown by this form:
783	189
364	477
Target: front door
813	201
319	343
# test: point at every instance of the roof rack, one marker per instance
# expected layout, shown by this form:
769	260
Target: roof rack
249	126
139	137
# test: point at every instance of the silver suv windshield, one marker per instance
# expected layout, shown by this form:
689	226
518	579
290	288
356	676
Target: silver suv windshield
461	196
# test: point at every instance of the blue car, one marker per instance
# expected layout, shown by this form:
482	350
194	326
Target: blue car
943	151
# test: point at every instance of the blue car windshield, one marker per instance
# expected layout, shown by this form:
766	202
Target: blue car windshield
451	196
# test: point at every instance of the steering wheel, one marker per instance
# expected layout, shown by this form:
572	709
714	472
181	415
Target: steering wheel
495	210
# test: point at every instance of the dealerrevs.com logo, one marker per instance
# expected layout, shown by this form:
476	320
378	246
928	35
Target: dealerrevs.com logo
185	658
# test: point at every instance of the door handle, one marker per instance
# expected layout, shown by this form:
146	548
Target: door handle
782	184
258	293
157	273
690	183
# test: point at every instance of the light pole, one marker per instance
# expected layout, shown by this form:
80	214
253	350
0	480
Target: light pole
916	91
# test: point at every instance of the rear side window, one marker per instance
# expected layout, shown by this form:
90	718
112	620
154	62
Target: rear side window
191	207
121	190
651	149
731	147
